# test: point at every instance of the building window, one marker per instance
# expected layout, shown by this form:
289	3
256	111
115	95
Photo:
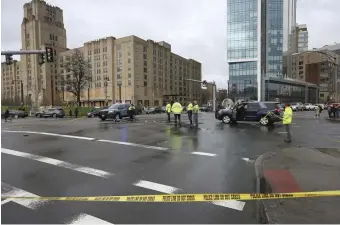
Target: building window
129	60
129	75
129	82
129	53
119	76
105	49
145	77
145	83
145	70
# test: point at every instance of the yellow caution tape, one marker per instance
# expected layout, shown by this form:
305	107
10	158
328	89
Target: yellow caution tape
187	197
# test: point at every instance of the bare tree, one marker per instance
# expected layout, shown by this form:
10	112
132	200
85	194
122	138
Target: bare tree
80	74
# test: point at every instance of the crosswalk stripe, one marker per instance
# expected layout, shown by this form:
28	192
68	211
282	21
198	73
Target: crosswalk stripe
156	187
8	190
203	153
59	163
232	204
84	218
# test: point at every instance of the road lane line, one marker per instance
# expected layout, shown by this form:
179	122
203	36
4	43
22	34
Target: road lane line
133	144
8	190
156	187
233	204
51	134
203	153
91	139
84	218
59	163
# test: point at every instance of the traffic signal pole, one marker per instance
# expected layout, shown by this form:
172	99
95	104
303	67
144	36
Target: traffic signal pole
204	82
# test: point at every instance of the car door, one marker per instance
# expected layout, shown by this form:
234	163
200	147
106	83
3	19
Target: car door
123	109
252	111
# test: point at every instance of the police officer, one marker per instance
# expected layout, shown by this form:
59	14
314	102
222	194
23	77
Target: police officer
168	110
195	111
131	110
287	121
177	111
189	111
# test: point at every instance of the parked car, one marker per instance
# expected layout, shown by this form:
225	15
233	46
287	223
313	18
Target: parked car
153	110
309	106
164	109
16	114
115	111
297	106
53	112
253	112
95	112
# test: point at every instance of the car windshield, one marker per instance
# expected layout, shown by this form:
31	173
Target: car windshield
152	109
51	110
272	105
114	106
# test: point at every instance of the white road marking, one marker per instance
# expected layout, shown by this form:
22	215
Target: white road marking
156	187
134	144
91	139
84	218
203	153
10	191
233	204
55	162
248	160
51	134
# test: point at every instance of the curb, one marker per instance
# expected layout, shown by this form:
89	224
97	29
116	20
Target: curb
262	186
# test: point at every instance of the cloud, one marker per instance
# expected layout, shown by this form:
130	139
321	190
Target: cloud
194	28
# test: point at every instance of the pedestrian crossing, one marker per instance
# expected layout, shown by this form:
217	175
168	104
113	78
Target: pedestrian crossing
73	167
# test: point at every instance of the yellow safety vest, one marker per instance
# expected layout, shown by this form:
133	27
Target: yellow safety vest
196	109
168	108
132	107
287	115
189	108
177	108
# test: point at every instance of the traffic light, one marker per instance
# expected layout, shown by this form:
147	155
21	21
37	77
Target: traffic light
49	54
9	59
41	59
204	83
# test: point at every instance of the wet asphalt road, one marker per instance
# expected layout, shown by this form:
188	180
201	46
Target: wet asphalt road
148	156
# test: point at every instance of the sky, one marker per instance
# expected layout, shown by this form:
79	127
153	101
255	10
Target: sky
194	28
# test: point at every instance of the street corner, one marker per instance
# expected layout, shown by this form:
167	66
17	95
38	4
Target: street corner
294	170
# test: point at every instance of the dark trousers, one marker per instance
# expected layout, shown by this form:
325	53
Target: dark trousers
168	116
177	117
190	116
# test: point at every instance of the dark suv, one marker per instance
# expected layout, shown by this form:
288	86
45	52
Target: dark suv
115	111
251	112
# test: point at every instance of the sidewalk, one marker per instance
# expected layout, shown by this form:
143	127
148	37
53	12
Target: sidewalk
332	119
295	170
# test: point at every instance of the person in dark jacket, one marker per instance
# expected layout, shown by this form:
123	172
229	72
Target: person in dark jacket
70	113
76	112
6	115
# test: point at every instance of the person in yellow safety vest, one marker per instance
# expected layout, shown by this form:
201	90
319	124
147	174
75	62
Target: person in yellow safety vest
177	111
189	110
287	121
195	111
168	110
131	111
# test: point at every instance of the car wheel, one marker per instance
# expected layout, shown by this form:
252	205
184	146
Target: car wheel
103	117
264	121
226	119
38	115
92	115
54	115
16	116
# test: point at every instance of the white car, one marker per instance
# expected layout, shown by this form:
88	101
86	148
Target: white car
309	106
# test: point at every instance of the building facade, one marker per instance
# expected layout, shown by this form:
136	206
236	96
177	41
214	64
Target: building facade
289	91
11	83
315	67
42	26
133	70
255	38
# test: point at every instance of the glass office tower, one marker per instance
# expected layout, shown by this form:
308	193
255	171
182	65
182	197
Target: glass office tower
254	45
